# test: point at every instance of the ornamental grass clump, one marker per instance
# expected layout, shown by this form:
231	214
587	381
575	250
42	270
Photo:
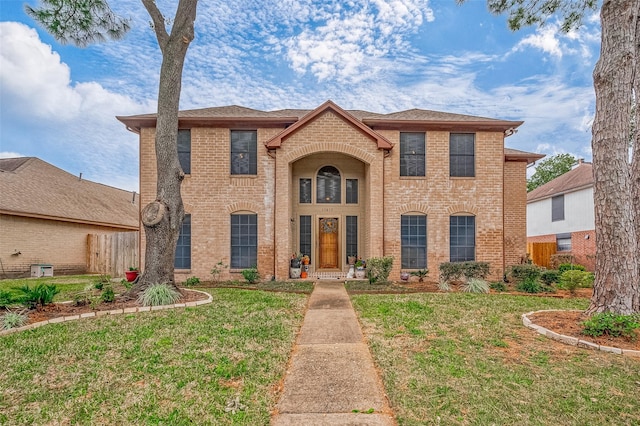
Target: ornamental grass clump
476	285
159	294
13	320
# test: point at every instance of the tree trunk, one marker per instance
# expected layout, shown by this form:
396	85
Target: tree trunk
162	218
616	286
635	148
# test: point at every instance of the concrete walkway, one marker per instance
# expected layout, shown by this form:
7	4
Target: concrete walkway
331	372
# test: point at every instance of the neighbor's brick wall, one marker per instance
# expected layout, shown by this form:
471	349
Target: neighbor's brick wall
439	196
61	244
583	249
515	212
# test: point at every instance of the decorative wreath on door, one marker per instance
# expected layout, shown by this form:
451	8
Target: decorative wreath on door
329	226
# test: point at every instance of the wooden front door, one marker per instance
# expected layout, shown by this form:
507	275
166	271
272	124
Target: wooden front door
328	254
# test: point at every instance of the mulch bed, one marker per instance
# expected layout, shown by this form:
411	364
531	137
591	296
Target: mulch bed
56	310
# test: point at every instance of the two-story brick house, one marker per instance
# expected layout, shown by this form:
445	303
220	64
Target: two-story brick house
422	186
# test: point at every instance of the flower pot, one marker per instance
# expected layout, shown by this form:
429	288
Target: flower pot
303	274
131	275
294	273
404	276
360	273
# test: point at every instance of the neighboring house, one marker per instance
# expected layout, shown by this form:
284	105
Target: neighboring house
47	213
561	212
425	187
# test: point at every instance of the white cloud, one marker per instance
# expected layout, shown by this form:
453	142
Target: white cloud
9	154
545	39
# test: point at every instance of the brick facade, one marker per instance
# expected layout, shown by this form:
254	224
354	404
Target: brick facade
583	246
496	196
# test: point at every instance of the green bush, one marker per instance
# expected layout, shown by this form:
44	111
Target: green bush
571	267
41	294
498	286
529	285
420	274
444	285
573	279
379	268
451	271
251	275
6	299
159	294
108	295
13	320
192	281
524	272
550	277
611	324
476	285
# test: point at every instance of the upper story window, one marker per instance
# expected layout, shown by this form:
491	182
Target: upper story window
244	154
557	208
305	191
184	150
462	161
412	154
328	185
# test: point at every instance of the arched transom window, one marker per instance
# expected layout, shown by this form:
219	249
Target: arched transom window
328	185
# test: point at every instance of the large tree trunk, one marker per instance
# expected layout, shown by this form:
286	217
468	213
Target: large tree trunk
635	164
616	286
162	218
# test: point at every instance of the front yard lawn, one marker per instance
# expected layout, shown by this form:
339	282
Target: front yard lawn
180	366
466	359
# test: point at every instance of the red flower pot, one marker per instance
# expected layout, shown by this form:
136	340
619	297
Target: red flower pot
131	275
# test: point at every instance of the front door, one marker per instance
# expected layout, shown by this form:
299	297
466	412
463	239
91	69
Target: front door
328	253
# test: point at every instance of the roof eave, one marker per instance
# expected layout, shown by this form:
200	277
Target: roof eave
566	191
460	125
69	219
136	123
529	157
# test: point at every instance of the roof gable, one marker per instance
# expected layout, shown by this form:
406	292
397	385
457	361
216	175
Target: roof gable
276	141
577	178
36	188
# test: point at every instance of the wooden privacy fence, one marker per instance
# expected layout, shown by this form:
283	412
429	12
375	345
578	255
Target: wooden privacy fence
541	253
112	254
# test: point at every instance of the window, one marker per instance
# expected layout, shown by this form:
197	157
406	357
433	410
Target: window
352	236
462	233
462	155
183	248
412	154
557	208
244	159
352	191
244	240
563	242
413	230
305	235
305	191
328	185
184	150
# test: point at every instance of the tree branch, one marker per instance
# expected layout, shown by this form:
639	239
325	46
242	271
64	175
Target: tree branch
158	23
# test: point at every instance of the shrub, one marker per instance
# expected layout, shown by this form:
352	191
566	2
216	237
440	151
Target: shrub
217	270
108	295
6	299
476	285
550	276
13	320
450	271
572	279
560	258
420	274
159	294
251	275
41	294
498	286
126	284
611	324
571	267
379	268
444	285
100	283
529	285
519	273
191	281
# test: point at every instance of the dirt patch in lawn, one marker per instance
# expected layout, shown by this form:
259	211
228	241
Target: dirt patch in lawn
56	310
569	323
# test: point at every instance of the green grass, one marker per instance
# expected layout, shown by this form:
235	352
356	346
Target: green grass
175	367
68	285
286	286
466	359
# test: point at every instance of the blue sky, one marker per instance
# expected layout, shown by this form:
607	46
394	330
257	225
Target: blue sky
59	102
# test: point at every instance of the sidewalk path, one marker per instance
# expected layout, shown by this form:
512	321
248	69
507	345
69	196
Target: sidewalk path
331	372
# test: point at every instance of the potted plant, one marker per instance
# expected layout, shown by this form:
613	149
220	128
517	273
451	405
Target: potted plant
131	274
360	265
294	266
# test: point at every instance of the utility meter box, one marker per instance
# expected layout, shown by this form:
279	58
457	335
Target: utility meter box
41	270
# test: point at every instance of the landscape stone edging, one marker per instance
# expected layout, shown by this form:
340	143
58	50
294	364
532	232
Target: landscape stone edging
570	340
96	314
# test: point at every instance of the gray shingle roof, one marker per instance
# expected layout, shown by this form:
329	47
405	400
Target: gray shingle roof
579	177
32	187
